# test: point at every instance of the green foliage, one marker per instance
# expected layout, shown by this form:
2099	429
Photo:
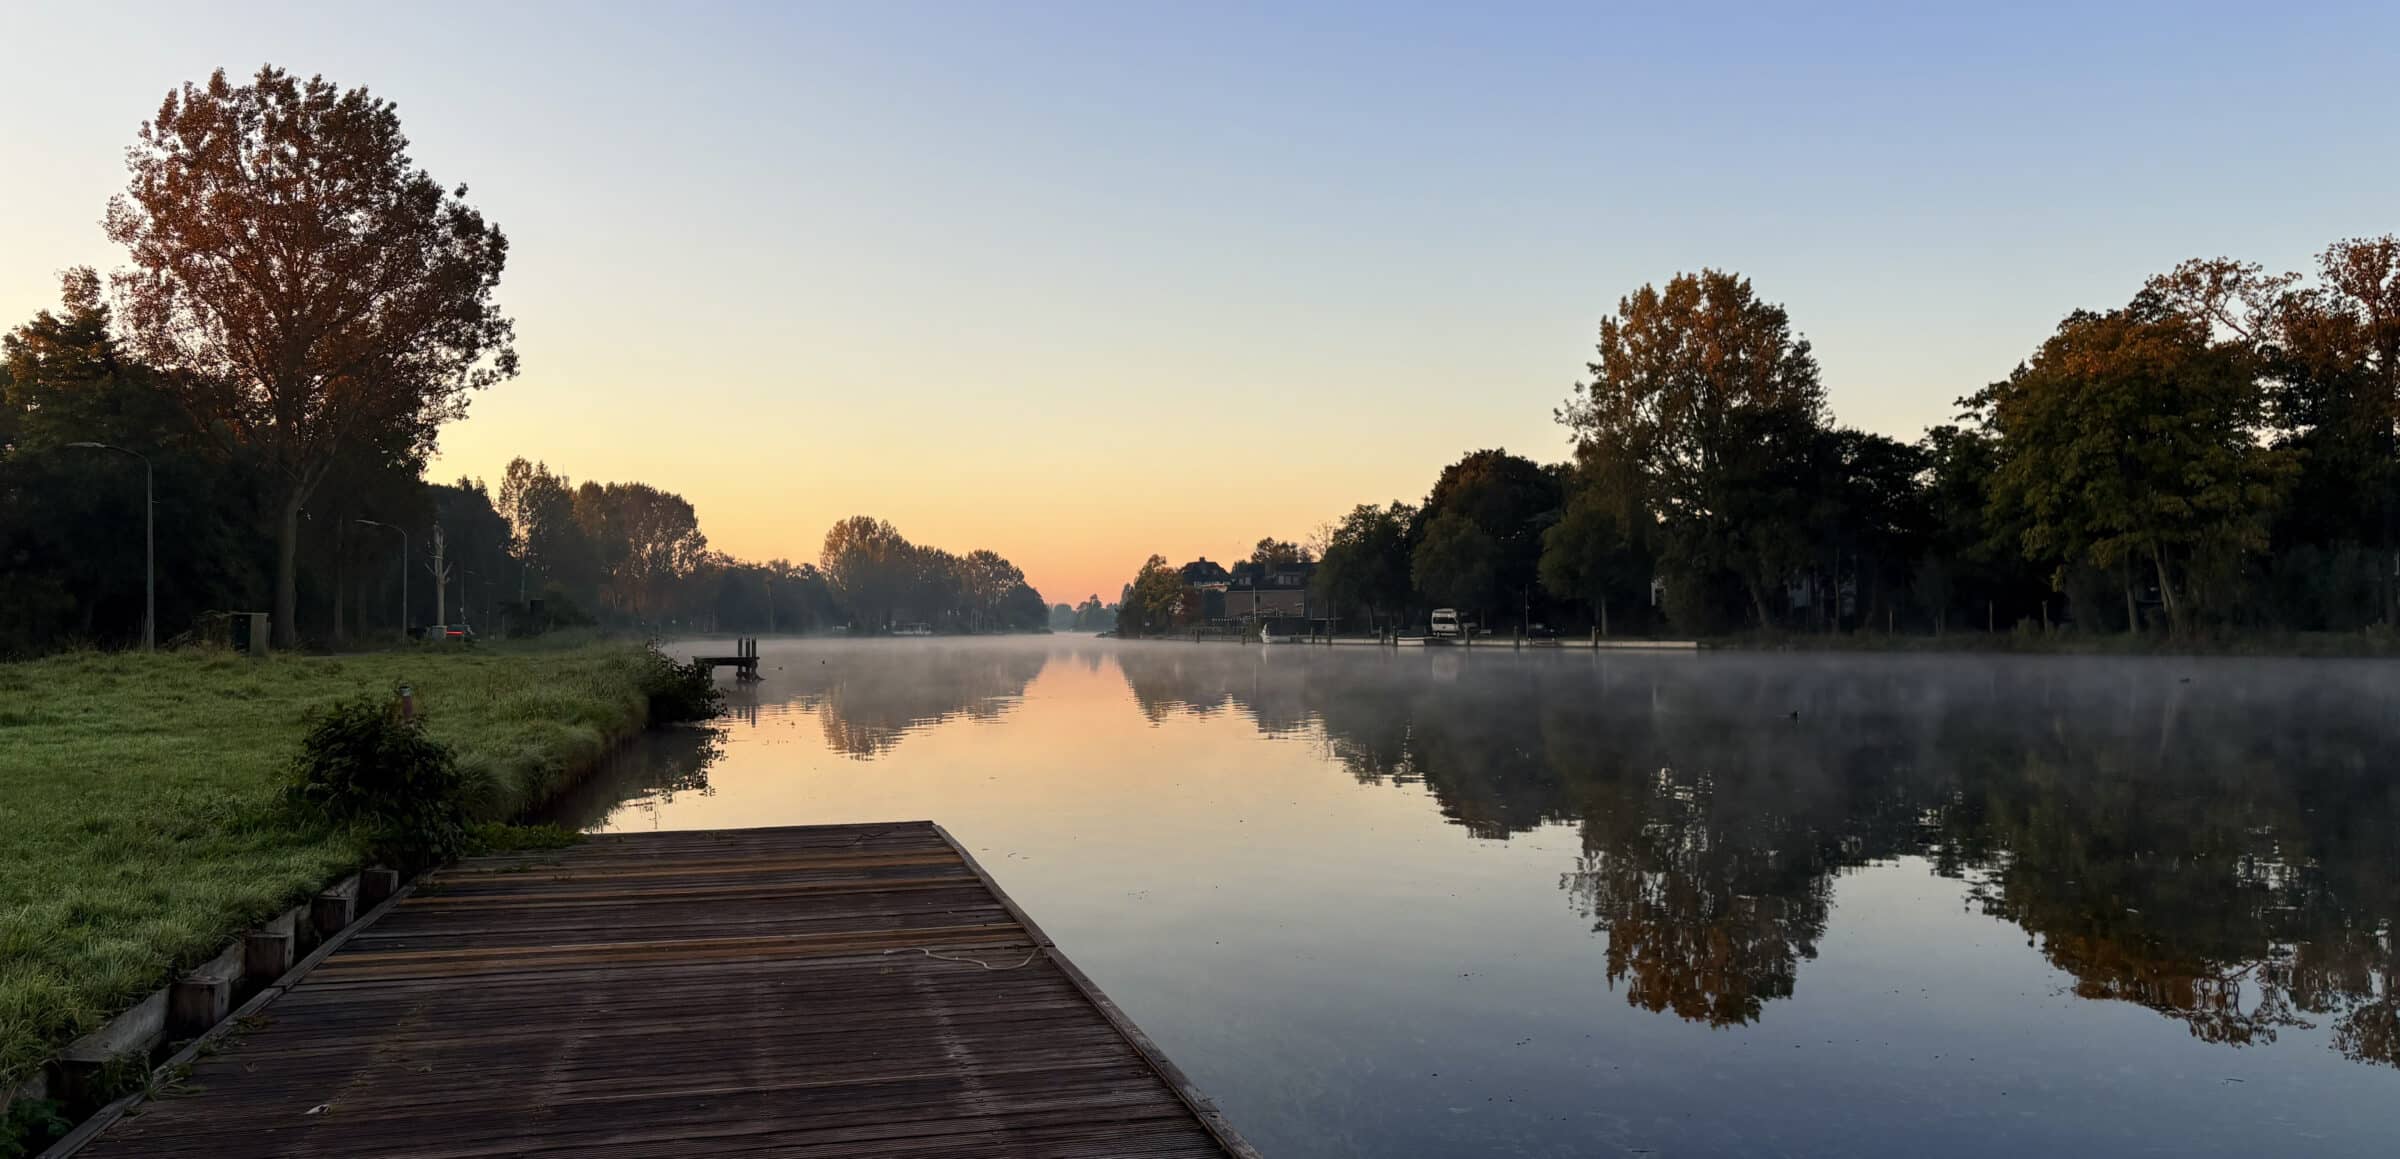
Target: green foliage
366	765
679	693
1455	564
1591	554
1509	499
71	518
1367	560
504	837
31	1126
147	799
1093	616
1152	600
883	579
2129	446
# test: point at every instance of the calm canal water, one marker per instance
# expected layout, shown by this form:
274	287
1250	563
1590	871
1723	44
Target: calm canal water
1551	904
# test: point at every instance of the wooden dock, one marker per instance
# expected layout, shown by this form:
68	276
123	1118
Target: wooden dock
744	660
817	991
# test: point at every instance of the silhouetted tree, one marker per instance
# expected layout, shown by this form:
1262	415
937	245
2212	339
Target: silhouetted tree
303	284
1368	559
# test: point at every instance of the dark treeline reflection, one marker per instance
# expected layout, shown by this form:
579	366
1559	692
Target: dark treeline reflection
658	767
2219	843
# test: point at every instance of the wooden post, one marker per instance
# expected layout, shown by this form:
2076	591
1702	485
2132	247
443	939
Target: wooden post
331	912
195	1003
265	957
376	884
1989	624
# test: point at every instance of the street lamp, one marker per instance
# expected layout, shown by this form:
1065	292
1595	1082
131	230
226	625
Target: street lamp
403	573
149	543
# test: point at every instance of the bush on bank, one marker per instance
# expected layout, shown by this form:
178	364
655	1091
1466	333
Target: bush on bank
147	799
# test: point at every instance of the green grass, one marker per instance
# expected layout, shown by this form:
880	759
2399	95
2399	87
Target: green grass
141	821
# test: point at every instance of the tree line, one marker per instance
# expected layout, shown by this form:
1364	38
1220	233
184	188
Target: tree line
541	550
302	310
2218	454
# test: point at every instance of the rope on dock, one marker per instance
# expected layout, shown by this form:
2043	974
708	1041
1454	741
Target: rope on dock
969	961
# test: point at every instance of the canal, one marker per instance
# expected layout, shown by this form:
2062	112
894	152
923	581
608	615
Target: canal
1433	902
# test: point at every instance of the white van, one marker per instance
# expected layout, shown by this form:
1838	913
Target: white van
1446	626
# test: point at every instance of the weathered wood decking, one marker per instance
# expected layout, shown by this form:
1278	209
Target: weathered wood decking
822	991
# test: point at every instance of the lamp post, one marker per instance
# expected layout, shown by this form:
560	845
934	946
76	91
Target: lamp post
403	573
149	542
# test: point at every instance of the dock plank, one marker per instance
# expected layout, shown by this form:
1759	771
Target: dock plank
858	990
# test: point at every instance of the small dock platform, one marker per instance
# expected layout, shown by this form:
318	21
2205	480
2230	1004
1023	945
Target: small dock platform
855	990
744	660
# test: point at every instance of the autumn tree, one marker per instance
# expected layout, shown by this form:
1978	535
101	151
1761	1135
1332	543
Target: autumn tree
1710	401
2129	443
302	281
1151	600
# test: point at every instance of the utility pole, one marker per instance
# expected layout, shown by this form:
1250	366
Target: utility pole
149	542
403	572
441	579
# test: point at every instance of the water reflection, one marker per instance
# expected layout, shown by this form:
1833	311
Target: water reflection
649	775
869	696
2219	851
1450	903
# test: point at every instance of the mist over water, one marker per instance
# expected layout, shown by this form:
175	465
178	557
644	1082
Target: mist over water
1439	902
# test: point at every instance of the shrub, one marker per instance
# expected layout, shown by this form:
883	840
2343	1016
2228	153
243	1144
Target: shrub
679	692
503	837
30	1126
364	765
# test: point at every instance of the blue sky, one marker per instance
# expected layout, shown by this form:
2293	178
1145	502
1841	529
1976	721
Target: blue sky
1083	282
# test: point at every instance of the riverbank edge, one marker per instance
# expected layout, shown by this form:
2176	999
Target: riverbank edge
2371	644
2366	645
122	1053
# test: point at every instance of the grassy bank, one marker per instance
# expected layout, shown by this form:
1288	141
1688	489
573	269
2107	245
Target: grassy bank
140	818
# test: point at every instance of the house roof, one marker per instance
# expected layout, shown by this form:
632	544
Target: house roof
1202	571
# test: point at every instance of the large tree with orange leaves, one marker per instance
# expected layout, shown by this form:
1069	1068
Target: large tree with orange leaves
307	287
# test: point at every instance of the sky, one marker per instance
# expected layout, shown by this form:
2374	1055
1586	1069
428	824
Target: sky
1080	283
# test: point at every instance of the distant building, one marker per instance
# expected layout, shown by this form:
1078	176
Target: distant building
1202	575
1268	591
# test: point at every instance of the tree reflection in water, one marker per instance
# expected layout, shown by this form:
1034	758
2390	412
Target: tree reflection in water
2224	851
655	769
869	696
